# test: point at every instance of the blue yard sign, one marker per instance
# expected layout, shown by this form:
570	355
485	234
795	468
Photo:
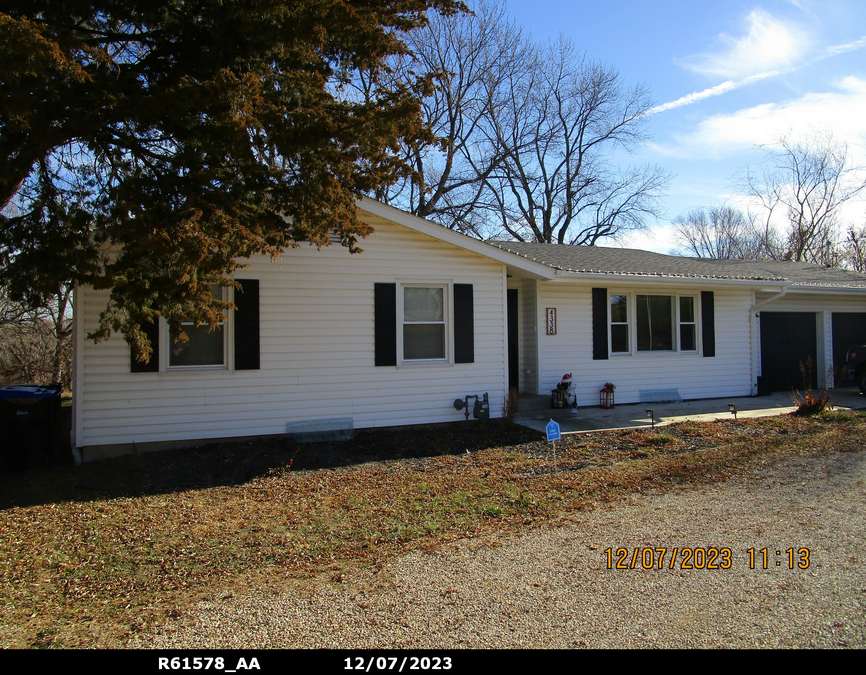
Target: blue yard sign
553	432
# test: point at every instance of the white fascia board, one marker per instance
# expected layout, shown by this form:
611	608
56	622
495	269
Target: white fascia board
827	290
659	280
516	265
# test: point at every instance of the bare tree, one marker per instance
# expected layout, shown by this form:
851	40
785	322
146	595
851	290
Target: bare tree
36	333
557	126
523	137
11	312
720	232
467	58
36	343
800	192
853	249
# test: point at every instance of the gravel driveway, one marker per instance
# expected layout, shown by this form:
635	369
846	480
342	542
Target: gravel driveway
552	588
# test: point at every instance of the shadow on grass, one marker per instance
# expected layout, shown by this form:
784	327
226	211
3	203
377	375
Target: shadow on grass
235	463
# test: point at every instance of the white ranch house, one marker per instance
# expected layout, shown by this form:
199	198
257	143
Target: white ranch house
393	335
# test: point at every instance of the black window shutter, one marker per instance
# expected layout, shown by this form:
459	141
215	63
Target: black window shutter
599	324
151	330
464	324
247	351
708	323
385	324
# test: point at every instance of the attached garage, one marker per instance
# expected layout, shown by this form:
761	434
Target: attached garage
789	341
849	329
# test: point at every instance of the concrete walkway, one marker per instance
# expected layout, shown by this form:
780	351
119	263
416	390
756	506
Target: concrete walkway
535	414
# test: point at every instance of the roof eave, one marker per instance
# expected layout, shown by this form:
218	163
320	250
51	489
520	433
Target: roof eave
665	279
835	290
515	264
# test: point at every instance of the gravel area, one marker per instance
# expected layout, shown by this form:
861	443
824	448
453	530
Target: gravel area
551	588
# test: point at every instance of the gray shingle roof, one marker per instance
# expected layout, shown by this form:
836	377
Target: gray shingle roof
602	260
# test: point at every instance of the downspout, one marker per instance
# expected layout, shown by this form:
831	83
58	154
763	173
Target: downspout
753	323
770	299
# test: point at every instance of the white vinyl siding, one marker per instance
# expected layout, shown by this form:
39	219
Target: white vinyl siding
317	352
570	351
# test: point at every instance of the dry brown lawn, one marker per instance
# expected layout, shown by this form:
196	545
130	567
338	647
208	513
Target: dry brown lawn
91	555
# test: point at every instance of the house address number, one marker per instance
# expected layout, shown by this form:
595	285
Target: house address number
551	320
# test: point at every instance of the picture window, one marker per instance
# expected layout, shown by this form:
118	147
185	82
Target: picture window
653	323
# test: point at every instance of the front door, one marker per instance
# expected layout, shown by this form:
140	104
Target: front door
513	348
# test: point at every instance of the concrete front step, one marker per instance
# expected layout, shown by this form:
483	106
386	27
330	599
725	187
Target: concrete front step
538	407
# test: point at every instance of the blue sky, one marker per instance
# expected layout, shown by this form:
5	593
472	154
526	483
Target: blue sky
727	76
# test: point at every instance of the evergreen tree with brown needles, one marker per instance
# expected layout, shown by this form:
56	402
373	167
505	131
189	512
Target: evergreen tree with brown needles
148	146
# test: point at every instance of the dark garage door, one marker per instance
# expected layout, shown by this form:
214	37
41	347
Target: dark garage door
848	330
787	339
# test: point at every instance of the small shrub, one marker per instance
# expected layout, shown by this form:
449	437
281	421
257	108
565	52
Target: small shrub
807	403
811	405
509	406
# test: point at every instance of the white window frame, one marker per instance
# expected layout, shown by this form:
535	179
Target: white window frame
228	331
448	299
694	322
632	323
627	323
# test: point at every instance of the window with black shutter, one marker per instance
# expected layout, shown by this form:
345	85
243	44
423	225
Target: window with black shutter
413	323
208	347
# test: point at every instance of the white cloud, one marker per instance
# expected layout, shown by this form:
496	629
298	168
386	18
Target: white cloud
843	112
846	47
769	44
660	238
719	89
730	85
